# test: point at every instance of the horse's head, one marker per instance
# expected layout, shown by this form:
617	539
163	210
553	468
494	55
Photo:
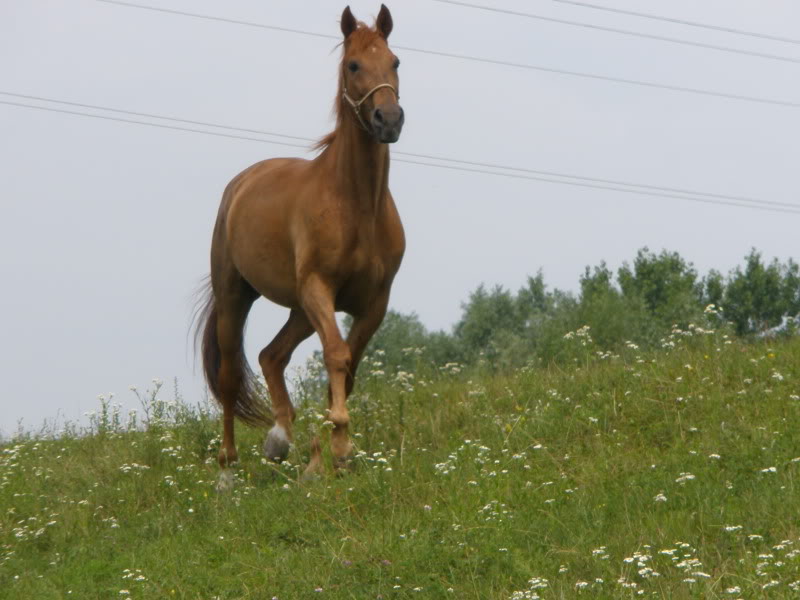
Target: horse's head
370	85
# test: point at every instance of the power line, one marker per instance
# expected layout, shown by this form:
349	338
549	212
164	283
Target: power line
156	116
637	82
603	187
606	181
764	36
134	122
638	34
222	19
402	160
487	165
491	61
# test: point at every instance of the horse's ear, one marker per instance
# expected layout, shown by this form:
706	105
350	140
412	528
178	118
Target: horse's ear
349	23
384	22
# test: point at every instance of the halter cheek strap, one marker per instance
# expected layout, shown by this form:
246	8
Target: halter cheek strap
357	105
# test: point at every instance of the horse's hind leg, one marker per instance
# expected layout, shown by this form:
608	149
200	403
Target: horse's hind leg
232	307
273	360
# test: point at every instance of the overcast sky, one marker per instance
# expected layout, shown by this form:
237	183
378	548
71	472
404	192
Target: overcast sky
106	225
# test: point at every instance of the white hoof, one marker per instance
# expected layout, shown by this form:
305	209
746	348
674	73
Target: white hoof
225	481
276	445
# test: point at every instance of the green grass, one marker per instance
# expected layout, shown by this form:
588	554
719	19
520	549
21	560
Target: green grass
467	485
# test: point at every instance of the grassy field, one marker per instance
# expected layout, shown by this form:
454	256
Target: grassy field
671	474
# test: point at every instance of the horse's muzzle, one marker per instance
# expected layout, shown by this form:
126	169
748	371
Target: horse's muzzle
387	122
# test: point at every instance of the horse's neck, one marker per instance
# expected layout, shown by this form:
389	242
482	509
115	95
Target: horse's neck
362	168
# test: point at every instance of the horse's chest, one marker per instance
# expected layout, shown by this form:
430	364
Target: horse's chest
366	267
366	274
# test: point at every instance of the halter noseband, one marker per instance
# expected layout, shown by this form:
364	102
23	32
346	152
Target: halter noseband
357	105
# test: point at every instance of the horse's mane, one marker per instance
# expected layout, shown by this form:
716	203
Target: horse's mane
361	39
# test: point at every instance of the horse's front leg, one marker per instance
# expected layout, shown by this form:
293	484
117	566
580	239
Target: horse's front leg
364	327
317	299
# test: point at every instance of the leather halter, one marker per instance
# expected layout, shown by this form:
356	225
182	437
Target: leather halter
357	105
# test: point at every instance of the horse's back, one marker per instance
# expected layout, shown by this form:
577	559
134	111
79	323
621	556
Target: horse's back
260	180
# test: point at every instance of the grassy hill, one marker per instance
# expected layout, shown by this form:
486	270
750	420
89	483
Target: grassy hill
671	474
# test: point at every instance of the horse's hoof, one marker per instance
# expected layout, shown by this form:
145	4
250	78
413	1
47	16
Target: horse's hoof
276	445
225	481
314	469
310	475
343	465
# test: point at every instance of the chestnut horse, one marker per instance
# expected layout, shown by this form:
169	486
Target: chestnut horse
316	236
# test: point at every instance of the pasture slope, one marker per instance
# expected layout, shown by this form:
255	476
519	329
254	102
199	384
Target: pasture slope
667	474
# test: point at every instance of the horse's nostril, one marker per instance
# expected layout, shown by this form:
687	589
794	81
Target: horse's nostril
378	115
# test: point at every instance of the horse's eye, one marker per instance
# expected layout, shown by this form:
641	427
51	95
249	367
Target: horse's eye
396	64
353	66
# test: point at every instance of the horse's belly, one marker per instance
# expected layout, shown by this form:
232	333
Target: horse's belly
268	266
278	290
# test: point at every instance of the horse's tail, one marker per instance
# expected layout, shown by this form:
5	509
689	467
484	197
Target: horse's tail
250	405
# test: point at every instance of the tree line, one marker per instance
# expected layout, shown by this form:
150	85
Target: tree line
640	303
